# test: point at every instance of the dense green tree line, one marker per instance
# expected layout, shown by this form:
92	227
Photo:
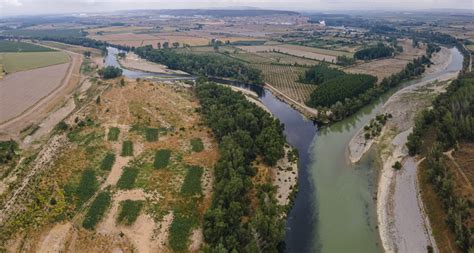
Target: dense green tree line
348	105
320	73
375	52
339	88
452	116
203	65
243	130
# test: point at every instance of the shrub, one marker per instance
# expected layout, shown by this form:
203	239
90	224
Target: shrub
162	158
113	134
397	165
127	180
110	72
151	134
192	181
108	161
127	148
88	185
196	145
129	211
97	210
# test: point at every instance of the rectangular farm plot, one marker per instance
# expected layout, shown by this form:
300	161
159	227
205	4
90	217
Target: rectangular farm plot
127	148
113	134
127	180
129	211
97	210
108	161
285	79
151	134
192	182
299	51
162	158
15	62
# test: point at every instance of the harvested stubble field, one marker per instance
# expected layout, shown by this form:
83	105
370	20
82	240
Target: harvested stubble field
284	78
143	39
133	108
19	91
386	67
15	62
299	51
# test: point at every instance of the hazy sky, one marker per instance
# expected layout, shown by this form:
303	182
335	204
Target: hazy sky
26	7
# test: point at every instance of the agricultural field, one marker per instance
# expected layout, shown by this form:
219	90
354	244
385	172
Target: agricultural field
42	32
19	91
387	67
99	196
284	78
7	46
16	62
143	39
299	51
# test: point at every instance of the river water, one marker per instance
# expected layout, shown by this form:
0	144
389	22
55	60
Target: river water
335	209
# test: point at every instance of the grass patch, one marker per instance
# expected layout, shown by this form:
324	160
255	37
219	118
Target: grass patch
127	180
151	134
97	210
127	148
15	62
196	145
113	134
192	181
180	230
88	185
129	211
162	158
108	161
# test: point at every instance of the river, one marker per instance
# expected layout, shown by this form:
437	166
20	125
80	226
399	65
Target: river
335	209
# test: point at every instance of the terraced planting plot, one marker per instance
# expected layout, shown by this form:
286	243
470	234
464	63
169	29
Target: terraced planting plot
15	62
284	78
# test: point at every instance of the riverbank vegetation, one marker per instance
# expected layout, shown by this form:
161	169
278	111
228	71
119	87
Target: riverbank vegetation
210	65
244	131
448	125
374	127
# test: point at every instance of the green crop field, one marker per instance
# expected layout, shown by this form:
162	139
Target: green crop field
108	161
45	33
151	134
97	210
7	46
129	211
162	158
113	134
127	180
192	182
127	148
15	62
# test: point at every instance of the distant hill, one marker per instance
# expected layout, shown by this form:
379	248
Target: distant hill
221	12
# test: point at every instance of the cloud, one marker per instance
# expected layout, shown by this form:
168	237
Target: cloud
10	3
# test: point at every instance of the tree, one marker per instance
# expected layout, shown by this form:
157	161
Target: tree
397	165
175	45
166	45
158	45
